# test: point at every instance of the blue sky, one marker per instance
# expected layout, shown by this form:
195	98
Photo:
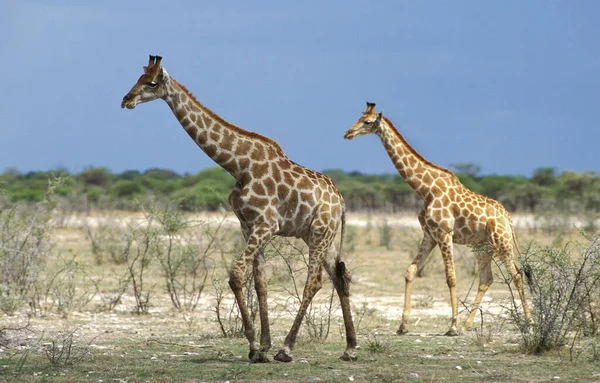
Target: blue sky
510	86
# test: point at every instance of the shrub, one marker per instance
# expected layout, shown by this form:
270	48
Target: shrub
182	255
564	284
24	246
71	288
139	246
106	242
64	349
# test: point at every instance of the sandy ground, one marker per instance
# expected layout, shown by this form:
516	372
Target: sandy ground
387	307
403	220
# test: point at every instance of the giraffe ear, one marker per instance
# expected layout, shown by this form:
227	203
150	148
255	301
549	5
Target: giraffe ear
162	73
145	69
379	116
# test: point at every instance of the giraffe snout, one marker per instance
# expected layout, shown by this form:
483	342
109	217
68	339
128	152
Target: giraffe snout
127	102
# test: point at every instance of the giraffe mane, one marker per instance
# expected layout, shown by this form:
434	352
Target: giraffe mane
221	120
413	151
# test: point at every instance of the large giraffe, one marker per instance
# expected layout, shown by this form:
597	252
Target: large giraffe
272	196
451	213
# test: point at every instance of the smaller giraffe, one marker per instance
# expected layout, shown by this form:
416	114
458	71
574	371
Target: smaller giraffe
451	213
272	196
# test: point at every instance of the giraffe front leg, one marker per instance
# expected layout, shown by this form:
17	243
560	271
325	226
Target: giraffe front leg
408	278
486	279
256	241
427	244
260	285
447	254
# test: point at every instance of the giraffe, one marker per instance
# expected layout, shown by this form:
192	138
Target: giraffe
451	213
272	196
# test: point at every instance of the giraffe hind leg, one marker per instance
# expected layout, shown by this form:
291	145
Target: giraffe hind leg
518	282
319	243
341	278
313	285
502	242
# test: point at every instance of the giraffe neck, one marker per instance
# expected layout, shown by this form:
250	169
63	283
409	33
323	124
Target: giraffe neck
419	173
233	148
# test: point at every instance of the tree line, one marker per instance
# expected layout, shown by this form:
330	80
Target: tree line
208	190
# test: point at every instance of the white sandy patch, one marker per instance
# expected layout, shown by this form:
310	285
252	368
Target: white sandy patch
228	219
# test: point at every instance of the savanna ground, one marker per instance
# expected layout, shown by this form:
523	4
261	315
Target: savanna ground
106	310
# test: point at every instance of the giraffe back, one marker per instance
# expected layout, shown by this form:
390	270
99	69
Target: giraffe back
453	207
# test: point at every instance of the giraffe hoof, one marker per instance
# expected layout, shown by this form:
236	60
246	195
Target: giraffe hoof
257	356
283	356
348	357
402	331
451	332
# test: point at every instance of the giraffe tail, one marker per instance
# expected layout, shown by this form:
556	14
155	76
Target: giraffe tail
524	269
342	274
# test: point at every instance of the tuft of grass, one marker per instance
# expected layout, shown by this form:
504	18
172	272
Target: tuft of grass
374	345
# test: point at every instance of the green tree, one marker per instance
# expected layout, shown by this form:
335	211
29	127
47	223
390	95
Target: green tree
126	189
129	175
470	182
206	190
468	168
494	186
96	176
544	176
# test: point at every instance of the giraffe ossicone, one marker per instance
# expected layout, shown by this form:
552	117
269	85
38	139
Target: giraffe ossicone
272	196
451	213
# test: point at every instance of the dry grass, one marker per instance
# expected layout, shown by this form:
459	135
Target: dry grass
171	345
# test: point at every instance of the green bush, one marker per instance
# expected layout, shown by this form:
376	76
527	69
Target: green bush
566	193
126	189
202	197
96	176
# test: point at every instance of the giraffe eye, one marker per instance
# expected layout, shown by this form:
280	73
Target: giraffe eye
152	84
367	122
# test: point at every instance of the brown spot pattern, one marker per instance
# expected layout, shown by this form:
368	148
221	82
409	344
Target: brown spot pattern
266	197
451	214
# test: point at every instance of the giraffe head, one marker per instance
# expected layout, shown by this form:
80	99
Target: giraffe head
369	122
150	86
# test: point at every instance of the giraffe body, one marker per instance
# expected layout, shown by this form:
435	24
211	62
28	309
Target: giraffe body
451	213
272	196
